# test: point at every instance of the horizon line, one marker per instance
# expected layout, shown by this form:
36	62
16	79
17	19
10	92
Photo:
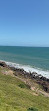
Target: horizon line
20	46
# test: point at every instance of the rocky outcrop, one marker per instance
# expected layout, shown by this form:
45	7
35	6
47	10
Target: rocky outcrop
44	84
3	64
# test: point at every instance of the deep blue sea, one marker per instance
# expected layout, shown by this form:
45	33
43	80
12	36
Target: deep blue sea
29	58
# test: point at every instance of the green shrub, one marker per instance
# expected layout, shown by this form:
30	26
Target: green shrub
22	85
32	109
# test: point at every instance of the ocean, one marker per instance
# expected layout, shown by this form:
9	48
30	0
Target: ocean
31	59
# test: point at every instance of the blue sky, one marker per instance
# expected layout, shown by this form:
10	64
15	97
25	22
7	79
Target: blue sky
24	22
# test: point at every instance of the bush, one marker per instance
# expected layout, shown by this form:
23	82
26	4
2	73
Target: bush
32	109
22	86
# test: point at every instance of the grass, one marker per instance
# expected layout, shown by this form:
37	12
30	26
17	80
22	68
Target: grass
16	96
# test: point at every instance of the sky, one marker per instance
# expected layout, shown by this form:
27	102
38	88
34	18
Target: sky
24	23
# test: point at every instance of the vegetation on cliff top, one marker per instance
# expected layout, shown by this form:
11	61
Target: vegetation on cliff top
16	96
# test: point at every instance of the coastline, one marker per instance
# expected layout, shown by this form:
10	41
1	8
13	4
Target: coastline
28	68
43	81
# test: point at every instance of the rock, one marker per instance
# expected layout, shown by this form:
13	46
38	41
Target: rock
47	80
34	73
3	64
44	84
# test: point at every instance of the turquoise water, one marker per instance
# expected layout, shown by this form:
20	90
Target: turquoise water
36	57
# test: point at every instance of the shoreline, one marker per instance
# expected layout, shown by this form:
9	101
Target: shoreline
41	80
28	68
